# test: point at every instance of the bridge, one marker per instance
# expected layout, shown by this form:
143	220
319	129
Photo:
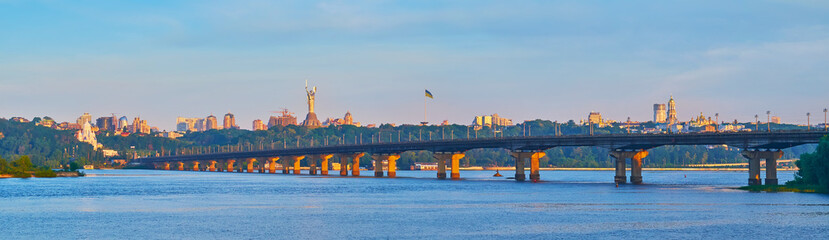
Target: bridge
756	146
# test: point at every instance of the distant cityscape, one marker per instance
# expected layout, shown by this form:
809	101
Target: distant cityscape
664	121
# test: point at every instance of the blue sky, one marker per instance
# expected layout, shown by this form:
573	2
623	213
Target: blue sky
554	60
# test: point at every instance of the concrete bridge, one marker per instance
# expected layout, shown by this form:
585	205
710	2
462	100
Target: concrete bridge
756	146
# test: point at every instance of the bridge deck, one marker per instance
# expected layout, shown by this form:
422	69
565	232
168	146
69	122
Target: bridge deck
746	140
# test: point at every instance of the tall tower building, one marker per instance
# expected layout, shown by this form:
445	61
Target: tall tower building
211	123
104	124
671	111
136	125
258	125
659	113
229	121
348	119
85	118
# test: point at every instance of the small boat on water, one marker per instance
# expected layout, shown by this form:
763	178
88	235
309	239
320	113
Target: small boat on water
89	167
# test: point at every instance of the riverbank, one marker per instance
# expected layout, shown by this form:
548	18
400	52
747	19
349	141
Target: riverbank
57	174
786	188
614	169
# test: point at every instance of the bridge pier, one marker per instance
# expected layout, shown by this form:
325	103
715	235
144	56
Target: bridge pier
195	166
181	166
272	164
324	163
378	165
635	168
391	159
355	164
250	164
212	166
343	165
230	165
754	158
454	158
533	156
297	160
286	165
312	164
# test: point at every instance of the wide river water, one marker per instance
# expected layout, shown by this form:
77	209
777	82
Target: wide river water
148	204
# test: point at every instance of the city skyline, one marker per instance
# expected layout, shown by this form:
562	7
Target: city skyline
252	58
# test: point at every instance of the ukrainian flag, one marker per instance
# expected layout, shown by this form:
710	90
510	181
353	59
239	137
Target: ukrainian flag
429	94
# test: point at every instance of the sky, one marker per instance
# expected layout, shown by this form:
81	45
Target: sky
554	60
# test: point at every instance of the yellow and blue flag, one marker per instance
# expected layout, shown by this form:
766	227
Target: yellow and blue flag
429	94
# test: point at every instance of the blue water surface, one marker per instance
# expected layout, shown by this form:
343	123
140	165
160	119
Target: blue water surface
151	204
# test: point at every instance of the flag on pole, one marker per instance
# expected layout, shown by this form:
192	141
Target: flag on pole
429	94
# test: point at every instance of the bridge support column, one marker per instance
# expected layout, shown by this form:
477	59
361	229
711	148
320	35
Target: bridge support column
324	163
166	166
520	160
392	164
754	158
297	160
250	164
355	164
286	165
535	174
454	158
272	164
230	165
635	162
378	165
636	167
312	164
195	166
212	166
181	166
343	165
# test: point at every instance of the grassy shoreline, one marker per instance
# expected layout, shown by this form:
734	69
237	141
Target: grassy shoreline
786	188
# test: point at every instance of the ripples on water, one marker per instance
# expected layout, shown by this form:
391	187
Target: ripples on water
143	204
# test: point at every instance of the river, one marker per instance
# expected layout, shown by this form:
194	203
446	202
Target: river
149	204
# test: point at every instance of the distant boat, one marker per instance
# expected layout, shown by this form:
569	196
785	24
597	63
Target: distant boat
88	167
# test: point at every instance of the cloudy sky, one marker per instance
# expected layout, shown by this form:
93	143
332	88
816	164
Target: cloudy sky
554	60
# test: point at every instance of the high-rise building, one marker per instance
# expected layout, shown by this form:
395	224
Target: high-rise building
348	119
671	111
104	124
258	125
775	119
492	120
211	123
659	113
136	125
229	121
201	124
186	124
594	118
284	120
85	118
143	127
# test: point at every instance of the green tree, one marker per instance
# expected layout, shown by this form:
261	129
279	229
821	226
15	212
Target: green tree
814	167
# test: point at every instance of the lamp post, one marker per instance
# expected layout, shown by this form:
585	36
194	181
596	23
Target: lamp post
808	121
824	119
768	120
756	122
